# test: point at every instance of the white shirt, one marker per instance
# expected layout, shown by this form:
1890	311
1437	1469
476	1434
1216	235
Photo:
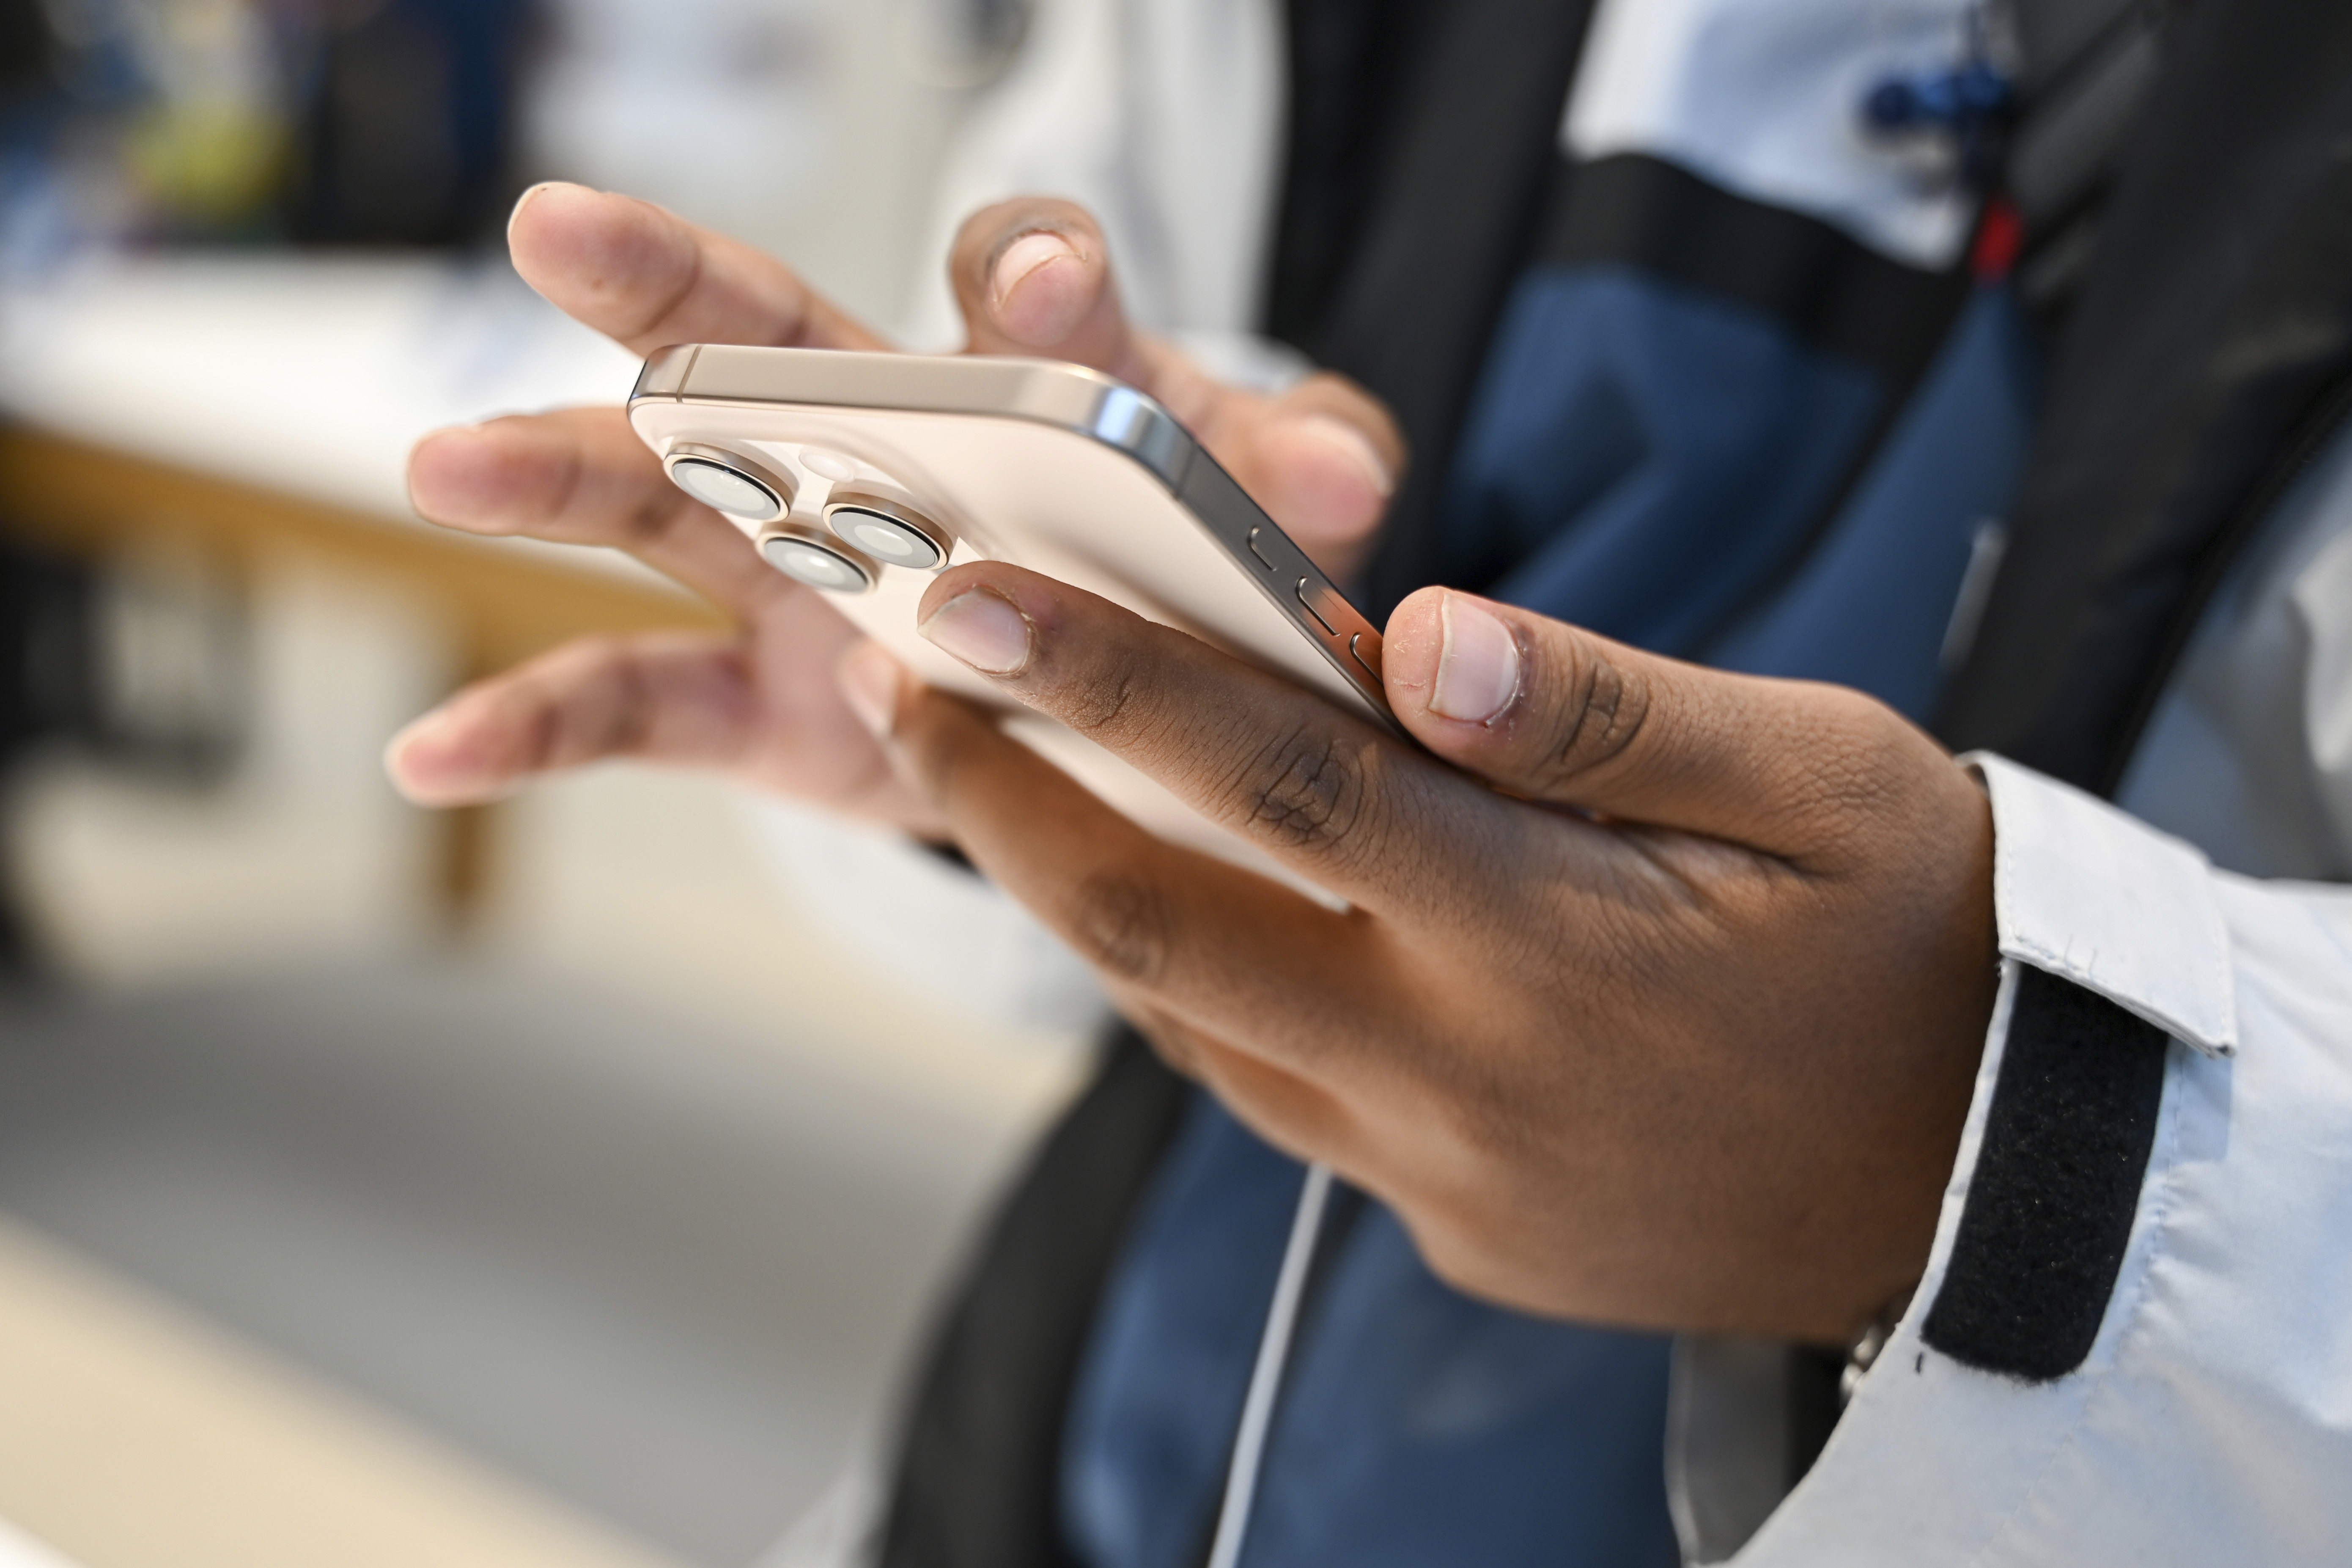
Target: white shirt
2213	1422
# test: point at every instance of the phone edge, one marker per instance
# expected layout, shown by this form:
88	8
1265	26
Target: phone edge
1069	397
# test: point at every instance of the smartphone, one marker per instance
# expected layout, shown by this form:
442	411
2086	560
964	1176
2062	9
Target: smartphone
863	475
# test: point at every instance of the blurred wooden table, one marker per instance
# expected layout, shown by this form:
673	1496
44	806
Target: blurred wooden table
502	603
132	1437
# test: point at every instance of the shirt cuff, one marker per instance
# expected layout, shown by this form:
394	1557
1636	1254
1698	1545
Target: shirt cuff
2082	891
2200	1416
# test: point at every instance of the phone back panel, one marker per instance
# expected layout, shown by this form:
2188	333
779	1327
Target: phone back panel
1049	467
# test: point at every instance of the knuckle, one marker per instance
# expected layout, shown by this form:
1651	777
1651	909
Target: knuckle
588	701
655	517
668	296
1598	717
537	738
1103	703
1121	924
1327	392
936	743
1306	791
551	473
620	724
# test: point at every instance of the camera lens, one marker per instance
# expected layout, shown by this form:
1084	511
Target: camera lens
735	493
889	531
884	536
729	484
816	563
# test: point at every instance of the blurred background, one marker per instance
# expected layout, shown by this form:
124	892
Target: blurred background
561	1182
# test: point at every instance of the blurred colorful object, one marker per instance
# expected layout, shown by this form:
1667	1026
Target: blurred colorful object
319	121
209	146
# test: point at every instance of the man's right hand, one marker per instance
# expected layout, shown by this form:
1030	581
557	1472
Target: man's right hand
1032	277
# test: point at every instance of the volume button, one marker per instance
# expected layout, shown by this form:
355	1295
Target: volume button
1328	629
1254	550
1366	647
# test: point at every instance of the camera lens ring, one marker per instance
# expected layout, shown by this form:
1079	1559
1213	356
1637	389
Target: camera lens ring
730	482
817	562
888	529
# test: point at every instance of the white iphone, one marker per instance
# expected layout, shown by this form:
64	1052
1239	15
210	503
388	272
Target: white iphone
864	474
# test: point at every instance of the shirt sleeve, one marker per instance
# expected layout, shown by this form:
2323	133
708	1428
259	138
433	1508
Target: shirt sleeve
2133	1342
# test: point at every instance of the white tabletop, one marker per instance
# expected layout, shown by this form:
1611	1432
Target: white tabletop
310	375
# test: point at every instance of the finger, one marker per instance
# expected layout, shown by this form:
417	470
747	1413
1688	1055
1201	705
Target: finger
1323	793
684	698
1032	276
1555	713
580	475
1323	460
1175	933
649	279
1035	275
681	697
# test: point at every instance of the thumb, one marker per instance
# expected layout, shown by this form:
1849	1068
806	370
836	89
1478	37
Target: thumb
1554	713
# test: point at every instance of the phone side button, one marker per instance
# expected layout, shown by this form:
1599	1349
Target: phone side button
1254	550
1366	649
1328	629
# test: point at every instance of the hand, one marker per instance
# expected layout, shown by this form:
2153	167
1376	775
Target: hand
1672	1021
1032	277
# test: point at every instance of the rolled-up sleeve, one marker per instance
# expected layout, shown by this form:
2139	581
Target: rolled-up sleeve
2133	1342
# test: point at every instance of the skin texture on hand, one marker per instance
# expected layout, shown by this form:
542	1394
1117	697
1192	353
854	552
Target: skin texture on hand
1034	277
1662	992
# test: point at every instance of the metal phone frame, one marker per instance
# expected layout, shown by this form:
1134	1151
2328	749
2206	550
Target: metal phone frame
1069	397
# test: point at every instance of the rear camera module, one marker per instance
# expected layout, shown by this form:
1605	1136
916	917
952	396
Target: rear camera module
817	562
731	484
889	531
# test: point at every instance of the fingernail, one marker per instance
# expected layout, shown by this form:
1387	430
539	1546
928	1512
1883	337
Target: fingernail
524	200
982	629
1477	664
1024	255
1345	438
430	762
868	677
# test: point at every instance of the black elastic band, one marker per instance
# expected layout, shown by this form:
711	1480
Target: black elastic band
2057	1184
